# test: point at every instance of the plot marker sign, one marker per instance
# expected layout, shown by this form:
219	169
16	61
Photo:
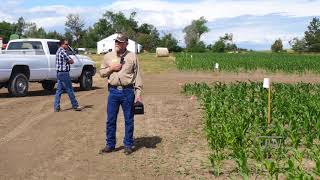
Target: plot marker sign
216	66
267	85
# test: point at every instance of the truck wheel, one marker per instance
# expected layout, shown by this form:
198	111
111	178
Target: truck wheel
18	85
86	80
48	85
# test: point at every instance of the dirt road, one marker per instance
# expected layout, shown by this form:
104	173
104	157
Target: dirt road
36	143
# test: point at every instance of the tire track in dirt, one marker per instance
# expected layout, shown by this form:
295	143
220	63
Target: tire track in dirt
76	146
9	101
70	139
33	120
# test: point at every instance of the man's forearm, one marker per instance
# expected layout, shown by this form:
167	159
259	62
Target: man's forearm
105	72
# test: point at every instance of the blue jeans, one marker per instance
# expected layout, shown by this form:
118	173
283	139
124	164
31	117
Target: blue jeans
125	98
64	83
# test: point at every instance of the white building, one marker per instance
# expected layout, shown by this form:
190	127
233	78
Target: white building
107	44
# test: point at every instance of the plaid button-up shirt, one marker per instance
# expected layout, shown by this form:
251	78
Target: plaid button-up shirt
62	59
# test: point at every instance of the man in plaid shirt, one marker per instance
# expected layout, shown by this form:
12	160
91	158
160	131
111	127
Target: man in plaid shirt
63	61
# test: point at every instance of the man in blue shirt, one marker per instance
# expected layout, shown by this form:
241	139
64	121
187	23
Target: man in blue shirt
63	61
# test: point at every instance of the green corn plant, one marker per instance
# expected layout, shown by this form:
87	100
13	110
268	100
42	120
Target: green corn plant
235	115
216	159
289	63
272	168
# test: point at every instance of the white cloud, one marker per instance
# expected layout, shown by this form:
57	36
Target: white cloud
58	9
260	28
53	16
49	22
181	14
6	17
170	16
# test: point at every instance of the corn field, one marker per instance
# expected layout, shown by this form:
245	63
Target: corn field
245	62
235	117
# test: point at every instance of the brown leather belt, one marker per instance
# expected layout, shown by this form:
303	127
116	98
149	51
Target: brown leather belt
130	86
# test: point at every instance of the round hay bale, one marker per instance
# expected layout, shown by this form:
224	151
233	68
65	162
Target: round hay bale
162	52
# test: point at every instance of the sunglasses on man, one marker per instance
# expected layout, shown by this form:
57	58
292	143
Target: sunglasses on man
118	42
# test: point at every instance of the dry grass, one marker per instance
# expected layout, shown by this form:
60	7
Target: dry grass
148	61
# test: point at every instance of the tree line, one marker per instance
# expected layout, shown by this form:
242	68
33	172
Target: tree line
309	43
75	32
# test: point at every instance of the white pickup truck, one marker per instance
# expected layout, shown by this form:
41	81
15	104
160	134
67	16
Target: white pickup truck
34	60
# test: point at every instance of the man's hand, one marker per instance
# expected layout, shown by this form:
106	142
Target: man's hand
116	67
138	99
71	61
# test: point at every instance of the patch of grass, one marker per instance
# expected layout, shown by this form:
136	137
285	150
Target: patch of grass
96	58
149	63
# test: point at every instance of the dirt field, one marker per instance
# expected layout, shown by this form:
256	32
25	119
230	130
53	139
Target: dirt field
36	143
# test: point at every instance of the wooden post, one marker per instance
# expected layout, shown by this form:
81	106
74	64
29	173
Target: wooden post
269	106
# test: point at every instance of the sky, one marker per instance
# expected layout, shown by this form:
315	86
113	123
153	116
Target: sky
255	24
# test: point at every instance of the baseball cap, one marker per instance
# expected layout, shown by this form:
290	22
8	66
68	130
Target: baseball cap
121	38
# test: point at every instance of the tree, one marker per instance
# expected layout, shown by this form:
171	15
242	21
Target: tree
6	29
74	26
146	41
68	36
145	28
33	32
231	47
90	39
20	26
225	43
54	35
120	23
42	33
277	46
149	37
228	41
227	37
196	46
298	45
170	42
102	29
312	35
194	32
219	46
111	23
149	41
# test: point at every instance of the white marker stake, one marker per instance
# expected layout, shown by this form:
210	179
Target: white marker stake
191	56
216	66
267	85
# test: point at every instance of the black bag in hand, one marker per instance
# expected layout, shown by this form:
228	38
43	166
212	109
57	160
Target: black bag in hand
138	108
